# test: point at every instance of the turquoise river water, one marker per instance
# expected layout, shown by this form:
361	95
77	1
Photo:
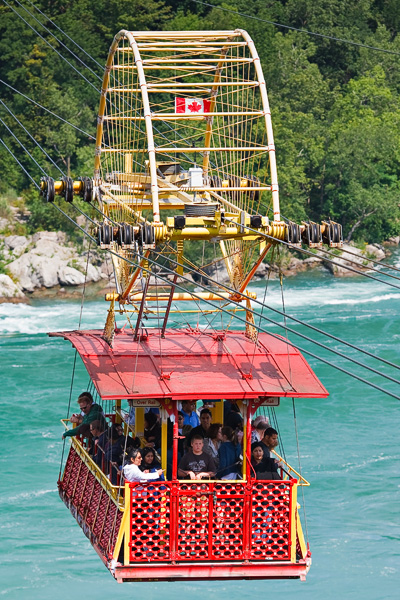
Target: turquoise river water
349	448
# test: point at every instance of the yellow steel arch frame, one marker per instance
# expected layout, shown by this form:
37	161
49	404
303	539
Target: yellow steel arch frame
155	53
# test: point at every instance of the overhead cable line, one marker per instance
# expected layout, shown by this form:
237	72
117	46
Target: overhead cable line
357	263
47	110
32	138
66	35
21	144
22	167
270	237
376	262
56	38
51	46
198	270
306	31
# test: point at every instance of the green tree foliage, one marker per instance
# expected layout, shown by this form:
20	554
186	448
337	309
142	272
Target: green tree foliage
335	106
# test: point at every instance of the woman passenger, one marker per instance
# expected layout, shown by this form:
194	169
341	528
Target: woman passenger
229	455
264	468
132	470
213	441
149	459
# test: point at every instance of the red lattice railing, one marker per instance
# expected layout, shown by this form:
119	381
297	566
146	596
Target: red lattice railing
90	503
198	521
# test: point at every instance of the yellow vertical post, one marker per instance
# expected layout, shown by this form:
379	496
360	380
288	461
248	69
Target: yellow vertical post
118	418
243	411
293	512
164	433
218	412
128	517
139	421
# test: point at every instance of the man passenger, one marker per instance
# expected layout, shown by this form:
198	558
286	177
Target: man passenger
91	411
190	416
203	428
196	464
269	441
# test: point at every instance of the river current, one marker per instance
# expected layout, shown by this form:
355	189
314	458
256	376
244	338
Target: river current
349	450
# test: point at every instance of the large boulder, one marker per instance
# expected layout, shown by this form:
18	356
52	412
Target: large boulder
70	276
9	290
15	245
345	262
35	271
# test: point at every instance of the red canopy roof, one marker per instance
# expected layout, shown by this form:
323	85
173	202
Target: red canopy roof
190	364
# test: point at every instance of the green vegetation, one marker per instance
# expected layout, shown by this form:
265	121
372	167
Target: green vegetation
335	106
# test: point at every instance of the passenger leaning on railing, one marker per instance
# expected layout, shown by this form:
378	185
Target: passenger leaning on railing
90	412
196	464
132	471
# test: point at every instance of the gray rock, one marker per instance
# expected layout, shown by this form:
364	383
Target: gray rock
16	244
70	276
4	224
375	251
33	271
394	240
9	289
58	237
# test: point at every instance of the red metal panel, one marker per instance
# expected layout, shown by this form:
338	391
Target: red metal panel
183	365
210	521
90	504
150	524
270	520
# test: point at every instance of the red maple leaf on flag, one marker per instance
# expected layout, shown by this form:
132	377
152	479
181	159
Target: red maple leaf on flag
194	107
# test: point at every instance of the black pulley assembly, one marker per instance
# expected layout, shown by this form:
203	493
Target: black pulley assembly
332	234
312	234
293	234
47	188
68	189
105	235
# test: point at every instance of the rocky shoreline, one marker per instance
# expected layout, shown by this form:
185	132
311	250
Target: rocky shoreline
46	264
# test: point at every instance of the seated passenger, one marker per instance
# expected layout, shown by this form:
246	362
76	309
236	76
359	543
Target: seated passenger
132	471
213	442
149	459
190	416
229	455
100	432
258	427
196	464
152	430
202	429
129	417
91	411
264	468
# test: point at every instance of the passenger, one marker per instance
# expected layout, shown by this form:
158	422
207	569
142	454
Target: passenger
91	412
132	471
234	418
213	442
202	429
129	417
196	464
190	417
229	455
264	468
257	433
99	431
269	441
149	459
152	430
116	444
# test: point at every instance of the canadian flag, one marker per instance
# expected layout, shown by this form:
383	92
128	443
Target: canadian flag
192	106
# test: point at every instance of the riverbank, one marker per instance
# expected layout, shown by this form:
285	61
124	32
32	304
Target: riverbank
48	265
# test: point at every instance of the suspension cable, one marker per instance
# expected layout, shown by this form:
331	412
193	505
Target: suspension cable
356	263
376	262
22	167
31	136
270	237
321	35
47	110
21	144
51	46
